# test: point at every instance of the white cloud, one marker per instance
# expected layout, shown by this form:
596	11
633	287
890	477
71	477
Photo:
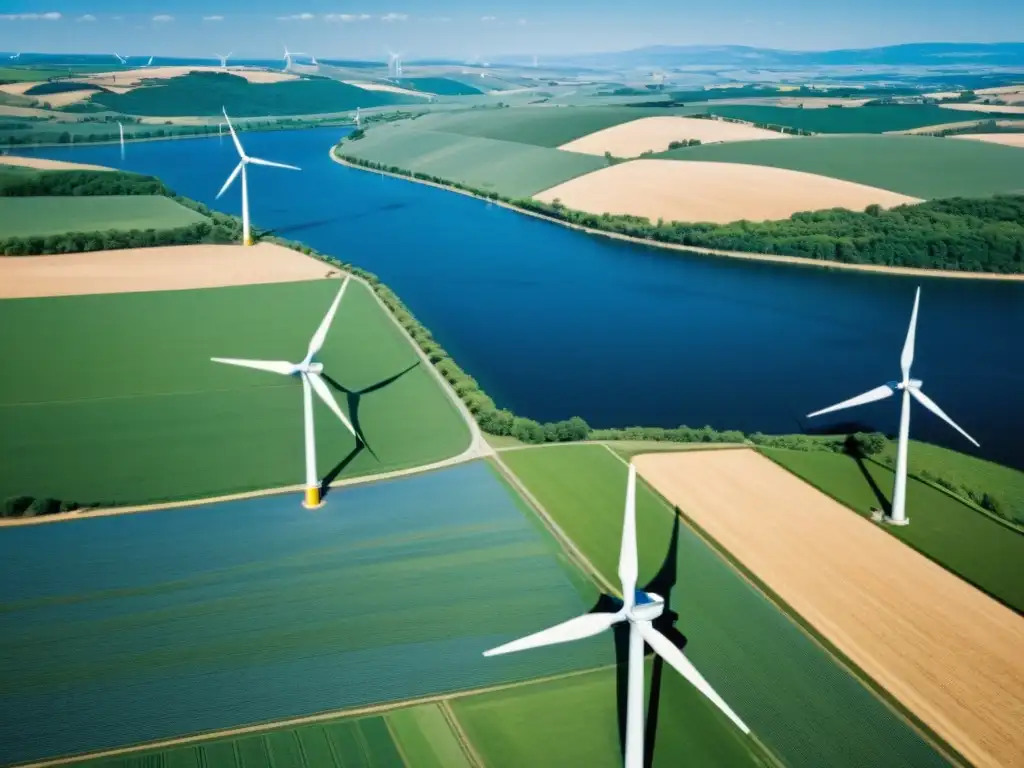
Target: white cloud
346	18
394	17
296	17
162	18
51	16
487	19
86	17
213	18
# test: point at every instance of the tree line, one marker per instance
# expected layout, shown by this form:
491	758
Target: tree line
956	234
74	183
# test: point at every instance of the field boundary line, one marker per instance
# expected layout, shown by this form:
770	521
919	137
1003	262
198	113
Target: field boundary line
398	744
563	539
293	722
475	760
750	256
930	737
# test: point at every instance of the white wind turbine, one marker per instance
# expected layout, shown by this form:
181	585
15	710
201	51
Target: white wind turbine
121	59
14	57
287	59
309	371
150	62
224	59
120	129
911	389
640	609
244	160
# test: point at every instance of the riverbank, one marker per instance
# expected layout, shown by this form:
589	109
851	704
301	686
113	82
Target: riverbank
749	256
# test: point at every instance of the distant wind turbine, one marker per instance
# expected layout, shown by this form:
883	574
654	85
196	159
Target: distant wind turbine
911	389
639	609
15	57
120	129
149	63
121	59
287	59
357	118
223	60
310	372
245	160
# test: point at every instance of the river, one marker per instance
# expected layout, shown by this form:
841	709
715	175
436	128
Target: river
555	323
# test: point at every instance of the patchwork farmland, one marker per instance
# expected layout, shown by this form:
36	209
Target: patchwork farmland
42	216
878	119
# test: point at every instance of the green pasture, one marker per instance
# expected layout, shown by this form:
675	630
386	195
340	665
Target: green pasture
801	704
972	545
117	399
921	166
506	167
898	117
40	216
574	721
541	126
205	93
426	739
357	743
142	627
442	86
968	476
28	74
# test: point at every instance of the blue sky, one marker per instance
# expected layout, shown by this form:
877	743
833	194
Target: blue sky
461	28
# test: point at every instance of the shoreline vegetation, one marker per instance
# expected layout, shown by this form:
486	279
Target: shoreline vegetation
492	420
992	228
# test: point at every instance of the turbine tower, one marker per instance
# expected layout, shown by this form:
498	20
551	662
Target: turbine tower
911	388
224	59
149	63
309	371
287	59
639	609
244	161
120	130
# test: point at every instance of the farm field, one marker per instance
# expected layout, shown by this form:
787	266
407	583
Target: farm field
841	119
205	93
654	134
506	167
41	216
426	739
802	705
147	626
541	126
148	417
948	652
574	721
919	166
999	109
441	86
42	164
967	542
674	190
160	268
1006	139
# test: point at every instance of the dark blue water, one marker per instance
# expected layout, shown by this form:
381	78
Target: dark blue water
555	323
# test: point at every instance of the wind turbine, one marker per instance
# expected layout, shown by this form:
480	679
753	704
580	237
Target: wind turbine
149	63
15	56
639	609
357	118
287	59
911	389
309	371
224	59
121	59
244	160
120	130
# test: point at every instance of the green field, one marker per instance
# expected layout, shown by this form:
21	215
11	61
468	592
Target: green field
205	93
846	119
40	216
980	550
442	86
573	721
131	629
801	704
117	400
425	738
921	166
541	126
506	167
356	743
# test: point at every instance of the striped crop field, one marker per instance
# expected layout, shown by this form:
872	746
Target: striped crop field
426	739
41	216
800	703
126	407
135	628
897	117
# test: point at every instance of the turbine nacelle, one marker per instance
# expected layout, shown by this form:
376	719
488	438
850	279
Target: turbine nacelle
311	367
647	606
909	384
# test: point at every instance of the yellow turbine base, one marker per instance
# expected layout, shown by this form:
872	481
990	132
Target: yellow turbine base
312	498
247	241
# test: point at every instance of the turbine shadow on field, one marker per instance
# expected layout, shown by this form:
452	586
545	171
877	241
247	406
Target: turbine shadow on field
662	584
337	469
354	398
883	501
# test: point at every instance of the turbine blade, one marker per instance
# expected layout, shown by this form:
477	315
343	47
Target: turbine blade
324	393
878	393
627	553
932	406
258	161
907	357
234	136
231	178
274	366
664	648
587	625
317	342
